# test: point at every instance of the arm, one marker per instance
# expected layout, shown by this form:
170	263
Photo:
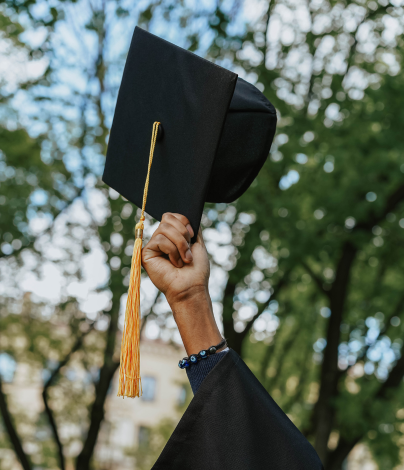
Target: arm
181	272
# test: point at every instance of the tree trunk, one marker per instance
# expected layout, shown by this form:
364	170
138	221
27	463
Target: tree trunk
97	415
11	431
107	372
324	410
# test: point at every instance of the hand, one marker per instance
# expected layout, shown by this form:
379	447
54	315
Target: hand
175	267
181	272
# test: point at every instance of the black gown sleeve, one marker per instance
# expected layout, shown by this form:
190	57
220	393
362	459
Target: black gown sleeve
232	423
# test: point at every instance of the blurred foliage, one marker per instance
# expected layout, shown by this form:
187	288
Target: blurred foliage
328	211
309	261
29	188
41	345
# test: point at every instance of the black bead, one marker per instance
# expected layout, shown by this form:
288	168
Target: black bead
212	350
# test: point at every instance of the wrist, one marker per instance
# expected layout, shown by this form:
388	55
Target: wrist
196	323
189	299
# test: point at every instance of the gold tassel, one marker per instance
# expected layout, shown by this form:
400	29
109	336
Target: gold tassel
130	384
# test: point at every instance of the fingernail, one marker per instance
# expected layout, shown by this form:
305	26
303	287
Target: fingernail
189	228
188	255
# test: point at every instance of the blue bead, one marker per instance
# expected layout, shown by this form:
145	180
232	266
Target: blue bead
203	354
183	363
193	358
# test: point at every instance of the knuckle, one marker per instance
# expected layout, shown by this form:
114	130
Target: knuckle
184	245
185	221
164	226
166	215
159	238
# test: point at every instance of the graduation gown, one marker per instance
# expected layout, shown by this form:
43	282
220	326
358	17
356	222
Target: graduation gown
232	423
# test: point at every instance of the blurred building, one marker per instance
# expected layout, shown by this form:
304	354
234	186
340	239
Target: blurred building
127	421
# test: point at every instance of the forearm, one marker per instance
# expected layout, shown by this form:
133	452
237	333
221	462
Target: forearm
196	323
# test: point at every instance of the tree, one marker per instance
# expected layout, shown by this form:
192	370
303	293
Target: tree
328	211
65	127
309	258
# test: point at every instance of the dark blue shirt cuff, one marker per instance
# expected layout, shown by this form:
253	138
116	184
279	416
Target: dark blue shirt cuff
197	372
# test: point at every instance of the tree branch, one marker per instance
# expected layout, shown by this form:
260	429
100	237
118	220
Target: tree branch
352	49
12	432
77	345
286	346
147	315
304	377
316	278
391	204
266	359
271	6
281	283
345	446
394	379
110	365
395	313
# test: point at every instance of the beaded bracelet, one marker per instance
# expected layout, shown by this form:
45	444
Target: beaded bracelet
194	358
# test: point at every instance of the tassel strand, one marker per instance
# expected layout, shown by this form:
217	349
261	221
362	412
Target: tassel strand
130	384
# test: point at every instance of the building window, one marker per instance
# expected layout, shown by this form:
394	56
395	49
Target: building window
148	388
144	435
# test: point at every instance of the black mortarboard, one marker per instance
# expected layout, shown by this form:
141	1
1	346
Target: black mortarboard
216	133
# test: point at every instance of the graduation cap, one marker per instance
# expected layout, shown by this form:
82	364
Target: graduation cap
185	131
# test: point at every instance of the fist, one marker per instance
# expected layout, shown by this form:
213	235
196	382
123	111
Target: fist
176	268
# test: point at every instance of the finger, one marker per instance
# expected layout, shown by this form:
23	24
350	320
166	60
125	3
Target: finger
185	222
162	244
177	238
171	219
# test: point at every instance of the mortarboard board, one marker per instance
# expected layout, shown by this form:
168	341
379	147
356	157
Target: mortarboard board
210	135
